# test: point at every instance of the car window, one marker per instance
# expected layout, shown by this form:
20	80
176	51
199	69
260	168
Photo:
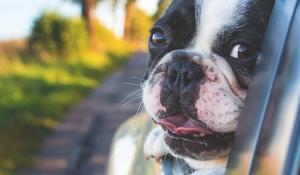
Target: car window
268	135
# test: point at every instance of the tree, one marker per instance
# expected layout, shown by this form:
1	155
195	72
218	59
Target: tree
140	23
87	13
129	7
55	36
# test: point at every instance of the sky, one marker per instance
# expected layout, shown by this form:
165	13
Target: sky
17	16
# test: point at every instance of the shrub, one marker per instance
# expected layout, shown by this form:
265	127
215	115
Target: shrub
55	36
109	42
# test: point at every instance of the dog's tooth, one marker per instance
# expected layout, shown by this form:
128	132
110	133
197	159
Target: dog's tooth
195	135
202	134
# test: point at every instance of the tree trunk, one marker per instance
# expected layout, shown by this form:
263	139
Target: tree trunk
87	12
128	20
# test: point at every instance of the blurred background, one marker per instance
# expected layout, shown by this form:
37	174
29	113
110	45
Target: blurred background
54	58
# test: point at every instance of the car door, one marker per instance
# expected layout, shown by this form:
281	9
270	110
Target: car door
268	137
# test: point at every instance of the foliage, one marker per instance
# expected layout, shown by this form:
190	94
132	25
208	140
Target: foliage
87	9
109	42
55	36
12	49
140	26
81	1
36	95
37	92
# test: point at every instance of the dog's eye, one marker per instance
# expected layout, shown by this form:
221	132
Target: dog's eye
242	51
158	38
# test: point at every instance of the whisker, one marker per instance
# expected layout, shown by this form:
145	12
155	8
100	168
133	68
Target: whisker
136	98
208	126
139	106
131	84
131	94
142	108
165	156
224	136
136	78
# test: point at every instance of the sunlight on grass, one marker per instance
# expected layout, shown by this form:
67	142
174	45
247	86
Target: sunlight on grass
44	75
35	96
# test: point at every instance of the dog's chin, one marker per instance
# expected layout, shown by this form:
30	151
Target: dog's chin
194	140
204	149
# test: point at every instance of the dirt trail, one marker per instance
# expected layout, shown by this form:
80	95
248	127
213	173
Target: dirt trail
80	145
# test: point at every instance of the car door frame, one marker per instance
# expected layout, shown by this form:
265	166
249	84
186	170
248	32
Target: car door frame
268	136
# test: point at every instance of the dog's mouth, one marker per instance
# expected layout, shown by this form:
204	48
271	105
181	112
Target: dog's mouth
187	129
184	126
194	136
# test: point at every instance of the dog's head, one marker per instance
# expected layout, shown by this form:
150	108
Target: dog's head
203	53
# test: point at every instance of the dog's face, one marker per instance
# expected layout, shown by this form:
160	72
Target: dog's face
203	53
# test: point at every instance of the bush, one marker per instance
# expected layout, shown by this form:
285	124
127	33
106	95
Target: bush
55	36
34	98
108	42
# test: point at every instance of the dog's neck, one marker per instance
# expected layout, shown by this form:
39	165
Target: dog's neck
213	167
193	167
217	163
217	171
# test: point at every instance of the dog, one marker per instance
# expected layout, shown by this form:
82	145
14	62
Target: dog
202	57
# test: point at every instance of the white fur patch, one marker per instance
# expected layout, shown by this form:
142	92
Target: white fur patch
219	163
213	15
151	99
154	145
221	98
215	171
218	107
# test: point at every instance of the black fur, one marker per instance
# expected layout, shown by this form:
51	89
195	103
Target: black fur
249	30
179	25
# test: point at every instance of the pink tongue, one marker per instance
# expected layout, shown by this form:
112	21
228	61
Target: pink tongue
183	126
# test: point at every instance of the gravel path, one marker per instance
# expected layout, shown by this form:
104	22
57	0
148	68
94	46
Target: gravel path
80	145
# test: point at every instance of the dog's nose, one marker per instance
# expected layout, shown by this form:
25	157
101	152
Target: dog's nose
183	75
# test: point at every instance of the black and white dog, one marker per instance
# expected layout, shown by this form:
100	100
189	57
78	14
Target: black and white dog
203	53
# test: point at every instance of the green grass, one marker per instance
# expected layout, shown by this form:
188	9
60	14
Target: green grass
34	96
